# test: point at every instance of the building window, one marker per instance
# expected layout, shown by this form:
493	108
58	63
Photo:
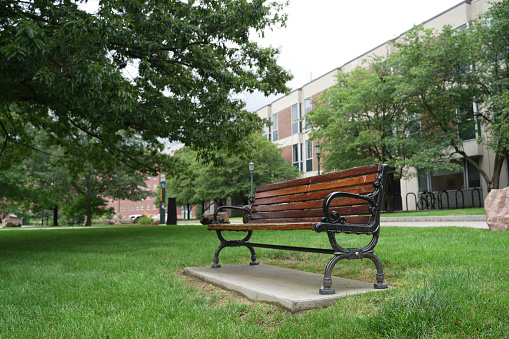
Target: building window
297	156
148	207
154	186
275	128
468	128
308	106
153	207
266	131
309	155
472	175
465	178
296	123
137	207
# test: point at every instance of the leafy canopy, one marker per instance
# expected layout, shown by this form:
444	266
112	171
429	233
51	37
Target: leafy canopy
135	72
197	182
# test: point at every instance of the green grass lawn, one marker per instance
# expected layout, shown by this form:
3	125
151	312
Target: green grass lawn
461	211
126	282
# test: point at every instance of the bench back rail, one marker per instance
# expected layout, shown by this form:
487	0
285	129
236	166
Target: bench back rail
302	200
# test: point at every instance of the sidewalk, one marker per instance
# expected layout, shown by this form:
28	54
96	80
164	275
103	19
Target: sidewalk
474	221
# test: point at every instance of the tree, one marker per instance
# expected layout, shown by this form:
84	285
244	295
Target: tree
47	180
490	36
198	181
135	72
358	122
93	180
457	82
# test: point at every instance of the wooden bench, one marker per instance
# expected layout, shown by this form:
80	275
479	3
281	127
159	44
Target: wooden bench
348	201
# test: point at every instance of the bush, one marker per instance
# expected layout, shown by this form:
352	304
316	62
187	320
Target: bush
145	221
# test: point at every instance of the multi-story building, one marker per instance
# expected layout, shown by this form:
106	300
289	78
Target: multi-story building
291	133
124	208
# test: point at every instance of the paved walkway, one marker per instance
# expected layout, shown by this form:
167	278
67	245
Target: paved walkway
474	221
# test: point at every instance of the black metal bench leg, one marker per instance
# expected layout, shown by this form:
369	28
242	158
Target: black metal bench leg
380	282
327	277
253	256
216	263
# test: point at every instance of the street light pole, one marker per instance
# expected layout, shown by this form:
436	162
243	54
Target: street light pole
162	198
317	151
251	170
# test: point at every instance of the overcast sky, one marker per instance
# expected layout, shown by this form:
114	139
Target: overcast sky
324	34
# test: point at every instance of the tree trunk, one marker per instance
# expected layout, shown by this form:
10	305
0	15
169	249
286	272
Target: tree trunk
89	212
497	170
389	189
55	216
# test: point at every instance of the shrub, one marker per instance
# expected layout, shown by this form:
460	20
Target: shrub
145	221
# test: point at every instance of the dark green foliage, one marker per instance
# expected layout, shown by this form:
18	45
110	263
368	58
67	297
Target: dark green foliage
134	72
230	177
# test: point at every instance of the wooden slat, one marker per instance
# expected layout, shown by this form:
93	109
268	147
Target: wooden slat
312	196
274	227
324	177
352	219
307	205
328	185
278	226
346	210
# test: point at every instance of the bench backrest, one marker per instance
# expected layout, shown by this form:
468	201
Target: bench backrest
301	200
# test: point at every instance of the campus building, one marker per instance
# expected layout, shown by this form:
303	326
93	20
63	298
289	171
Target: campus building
291	133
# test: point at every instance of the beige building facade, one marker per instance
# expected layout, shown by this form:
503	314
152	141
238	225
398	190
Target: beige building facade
453	189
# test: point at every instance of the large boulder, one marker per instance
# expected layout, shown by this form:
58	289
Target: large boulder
496	206
208	218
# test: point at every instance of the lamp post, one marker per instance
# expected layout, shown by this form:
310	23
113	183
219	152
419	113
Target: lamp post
162	198
251	170
317	151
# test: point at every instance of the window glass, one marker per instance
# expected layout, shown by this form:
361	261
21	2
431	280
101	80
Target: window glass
296	123
309	156
467	128
447	180
308	106
474	177
266	132
297	156
275	134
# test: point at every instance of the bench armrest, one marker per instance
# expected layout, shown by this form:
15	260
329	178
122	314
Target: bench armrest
221	221
333	222
334	216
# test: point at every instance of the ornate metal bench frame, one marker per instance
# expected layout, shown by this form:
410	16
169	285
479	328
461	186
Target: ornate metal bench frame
332	223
